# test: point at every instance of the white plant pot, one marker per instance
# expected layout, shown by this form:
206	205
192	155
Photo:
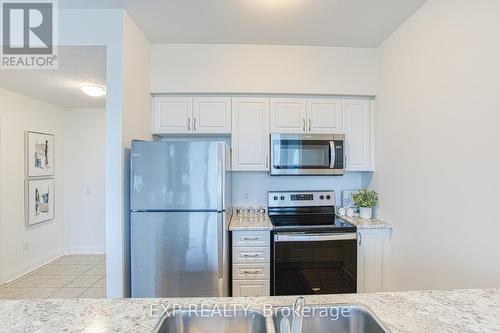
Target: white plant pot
365	213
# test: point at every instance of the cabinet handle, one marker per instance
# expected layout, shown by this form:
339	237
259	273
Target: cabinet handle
246	255
303	125
250	272
194	123
267	161
189	123
360	238
310	125
251	238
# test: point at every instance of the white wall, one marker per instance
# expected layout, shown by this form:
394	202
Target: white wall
257	184
84	164
437	141
19	113
181	68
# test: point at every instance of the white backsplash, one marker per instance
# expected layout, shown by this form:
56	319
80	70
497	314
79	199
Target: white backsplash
250	188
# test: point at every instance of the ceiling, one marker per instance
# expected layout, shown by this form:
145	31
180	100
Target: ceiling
352	23
77	65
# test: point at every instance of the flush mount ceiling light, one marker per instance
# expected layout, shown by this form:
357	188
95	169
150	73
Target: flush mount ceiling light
93	90
276	3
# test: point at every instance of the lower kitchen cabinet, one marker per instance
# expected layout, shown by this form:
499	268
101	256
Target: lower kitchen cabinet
373	260
251	264
251	288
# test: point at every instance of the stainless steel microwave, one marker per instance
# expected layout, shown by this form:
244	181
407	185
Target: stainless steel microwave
301	154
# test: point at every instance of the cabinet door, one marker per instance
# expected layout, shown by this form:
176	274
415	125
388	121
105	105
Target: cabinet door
250	288
288	115
172	115
212	115
358	120
373	260
324	116
250	134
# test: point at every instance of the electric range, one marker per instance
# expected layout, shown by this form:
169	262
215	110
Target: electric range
306	211
313	251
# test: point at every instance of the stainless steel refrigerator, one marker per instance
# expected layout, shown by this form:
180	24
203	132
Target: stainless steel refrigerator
179	194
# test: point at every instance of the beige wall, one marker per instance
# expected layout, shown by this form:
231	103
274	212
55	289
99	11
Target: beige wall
136	79
136	125
79	224
181	68
45	241
438	145
84	163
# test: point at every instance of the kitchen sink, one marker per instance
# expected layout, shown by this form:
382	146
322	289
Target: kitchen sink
186	321
338	318
341	318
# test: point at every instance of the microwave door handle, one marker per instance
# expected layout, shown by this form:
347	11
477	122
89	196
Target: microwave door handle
332	154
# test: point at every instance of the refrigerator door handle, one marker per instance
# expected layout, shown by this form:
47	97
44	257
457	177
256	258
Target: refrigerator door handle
221	177
220	246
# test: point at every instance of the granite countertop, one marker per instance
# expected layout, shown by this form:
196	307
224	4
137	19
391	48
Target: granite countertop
263	222
366	223
417	311
248	223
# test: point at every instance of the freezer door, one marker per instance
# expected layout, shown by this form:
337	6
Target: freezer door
179	254
177	175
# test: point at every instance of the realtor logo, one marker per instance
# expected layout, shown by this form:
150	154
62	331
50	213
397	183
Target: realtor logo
28	31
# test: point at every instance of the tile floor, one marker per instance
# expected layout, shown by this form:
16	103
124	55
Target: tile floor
71	276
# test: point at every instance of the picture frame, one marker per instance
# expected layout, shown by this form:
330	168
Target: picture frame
39	200
347	201
39	154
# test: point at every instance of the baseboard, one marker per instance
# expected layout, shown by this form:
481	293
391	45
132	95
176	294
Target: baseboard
23	269
86	250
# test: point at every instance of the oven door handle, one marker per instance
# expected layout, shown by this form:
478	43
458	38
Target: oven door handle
293	237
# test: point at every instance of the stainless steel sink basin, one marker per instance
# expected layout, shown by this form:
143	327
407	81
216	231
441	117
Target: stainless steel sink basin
185	321
342	318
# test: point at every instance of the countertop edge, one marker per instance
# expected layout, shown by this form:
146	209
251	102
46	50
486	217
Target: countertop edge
367	223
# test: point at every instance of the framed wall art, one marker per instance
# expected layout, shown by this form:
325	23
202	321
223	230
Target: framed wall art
39	202
39	154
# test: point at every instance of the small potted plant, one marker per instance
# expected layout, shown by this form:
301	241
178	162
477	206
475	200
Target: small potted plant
365	200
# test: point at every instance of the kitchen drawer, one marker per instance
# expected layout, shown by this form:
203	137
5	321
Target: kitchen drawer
251	288
251	271
251	254
251	238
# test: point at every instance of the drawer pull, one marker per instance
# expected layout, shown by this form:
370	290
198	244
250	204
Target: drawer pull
246	255
251	272
251	238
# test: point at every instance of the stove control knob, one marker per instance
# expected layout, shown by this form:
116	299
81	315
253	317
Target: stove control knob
275	197
321	197
282	198
328	197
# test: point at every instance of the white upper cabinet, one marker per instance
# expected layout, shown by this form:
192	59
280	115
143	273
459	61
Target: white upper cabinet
250	120
358	128
306	115
172	115
212	115
250	134
324	116
191	115
288	115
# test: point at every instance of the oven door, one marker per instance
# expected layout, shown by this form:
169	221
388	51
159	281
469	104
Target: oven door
307	154
314	263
